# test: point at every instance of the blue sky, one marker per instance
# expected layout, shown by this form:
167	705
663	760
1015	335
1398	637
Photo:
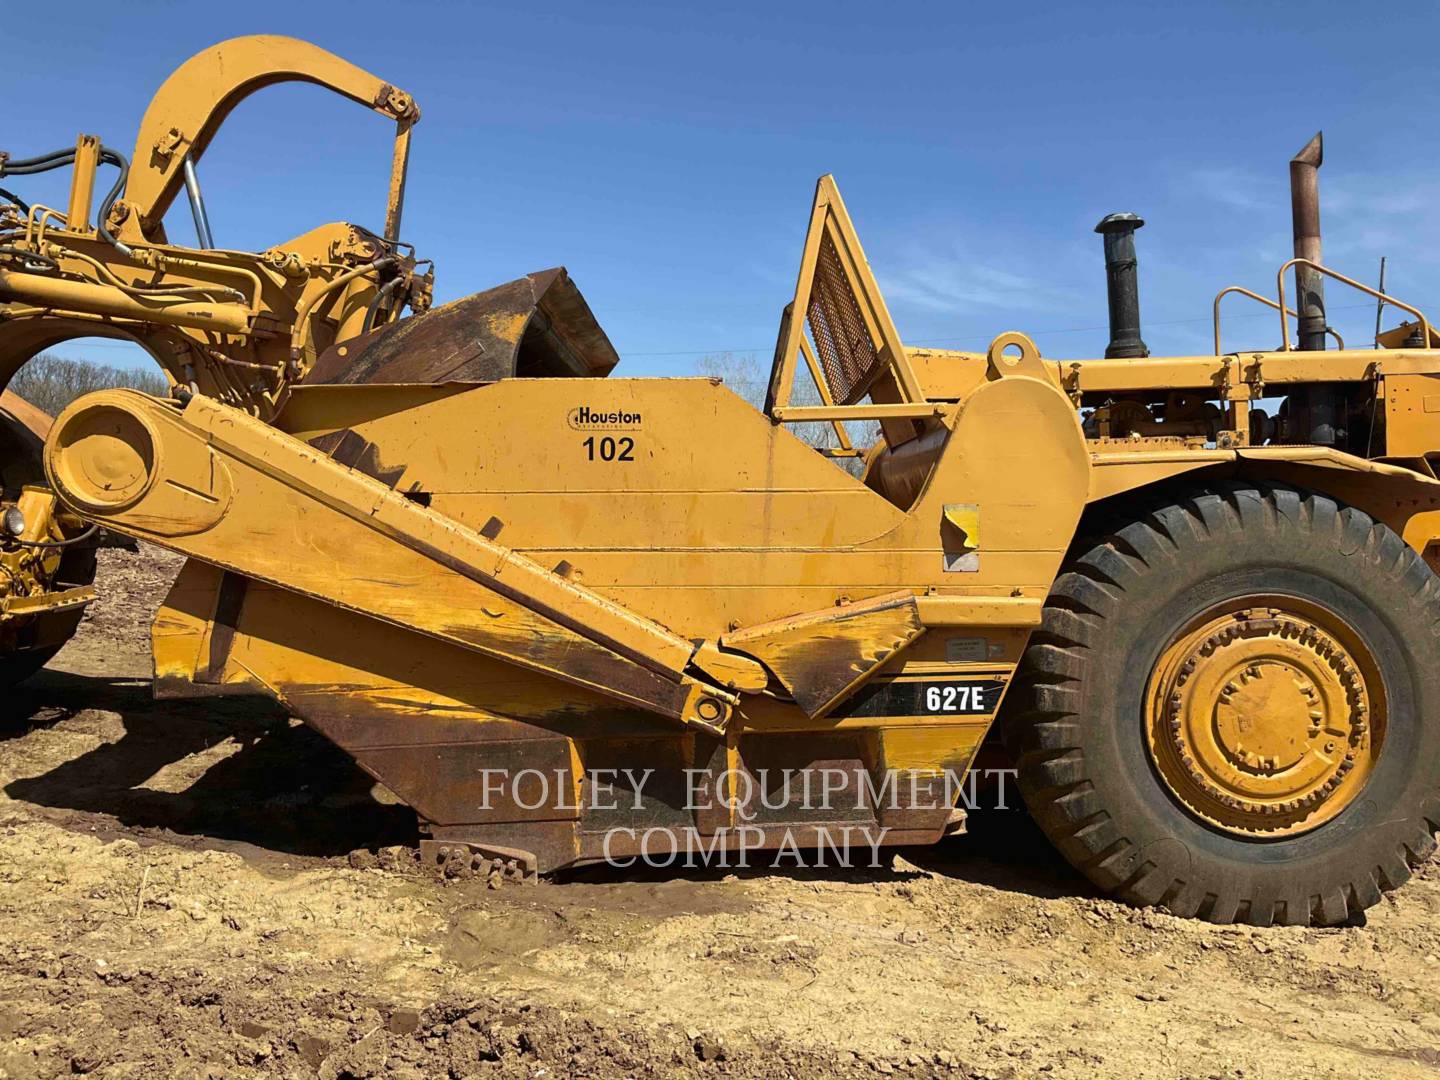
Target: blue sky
666	153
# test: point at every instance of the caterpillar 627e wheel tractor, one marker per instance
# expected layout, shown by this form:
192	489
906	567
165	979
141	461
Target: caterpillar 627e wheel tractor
547	607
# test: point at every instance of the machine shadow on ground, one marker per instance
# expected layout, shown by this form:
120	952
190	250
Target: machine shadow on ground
1004	849
285	789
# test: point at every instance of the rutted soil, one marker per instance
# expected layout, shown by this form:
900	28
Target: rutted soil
177	899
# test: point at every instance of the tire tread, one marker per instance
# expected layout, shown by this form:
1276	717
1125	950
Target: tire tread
1044	729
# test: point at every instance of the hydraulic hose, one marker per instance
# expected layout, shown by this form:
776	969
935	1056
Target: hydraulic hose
60	158
121	162
382	294
33	259
158	292
44	163
302	316
86	535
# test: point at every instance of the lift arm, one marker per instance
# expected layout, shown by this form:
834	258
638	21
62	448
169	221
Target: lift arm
194	101
220	486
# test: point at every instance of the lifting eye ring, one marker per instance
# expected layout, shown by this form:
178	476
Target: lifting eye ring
1005	361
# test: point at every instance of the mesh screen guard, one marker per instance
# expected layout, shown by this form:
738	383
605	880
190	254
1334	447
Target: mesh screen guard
846	353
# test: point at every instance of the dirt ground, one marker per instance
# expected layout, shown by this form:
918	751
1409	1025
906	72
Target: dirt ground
177	899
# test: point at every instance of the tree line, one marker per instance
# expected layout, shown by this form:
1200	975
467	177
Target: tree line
52	382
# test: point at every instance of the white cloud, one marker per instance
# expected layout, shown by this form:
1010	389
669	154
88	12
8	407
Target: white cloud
1236	188
956	284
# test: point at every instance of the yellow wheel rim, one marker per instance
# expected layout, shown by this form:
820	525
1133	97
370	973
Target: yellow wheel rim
1265	717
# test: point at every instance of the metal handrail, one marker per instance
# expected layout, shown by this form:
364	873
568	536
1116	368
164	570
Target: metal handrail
1285	325
1339	341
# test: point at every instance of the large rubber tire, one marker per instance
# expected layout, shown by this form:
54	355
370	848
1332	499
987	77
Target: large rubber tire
1075	724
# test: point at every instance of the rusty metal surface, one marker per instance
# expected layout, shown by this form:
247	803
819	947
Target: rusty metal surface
427	720
23	429
354	451
15	408
462	858
1305	221
822	657
446	780
538	325
230	599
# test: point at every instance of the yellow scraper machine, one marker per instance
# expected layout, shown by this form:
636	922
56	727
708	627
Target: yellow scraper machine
570	617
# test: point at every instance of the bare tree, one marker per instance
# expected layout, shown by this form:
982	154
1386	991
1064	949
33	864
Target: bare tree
740	373
52	382
743	375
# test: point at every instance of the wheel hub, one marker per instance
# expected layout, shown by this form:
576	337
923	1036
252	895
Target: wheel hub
1261	720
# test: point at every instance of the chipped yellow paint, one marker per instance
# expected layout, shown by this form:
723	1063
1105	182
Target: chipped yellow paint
934	748
507	325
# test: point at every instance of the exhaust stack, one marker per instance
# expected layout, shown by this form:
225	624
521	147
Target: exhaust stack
1122	285
1305	215
1316	414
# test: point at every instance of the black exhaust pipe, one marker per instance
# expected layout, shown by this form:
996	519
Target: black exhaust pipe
1122	284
